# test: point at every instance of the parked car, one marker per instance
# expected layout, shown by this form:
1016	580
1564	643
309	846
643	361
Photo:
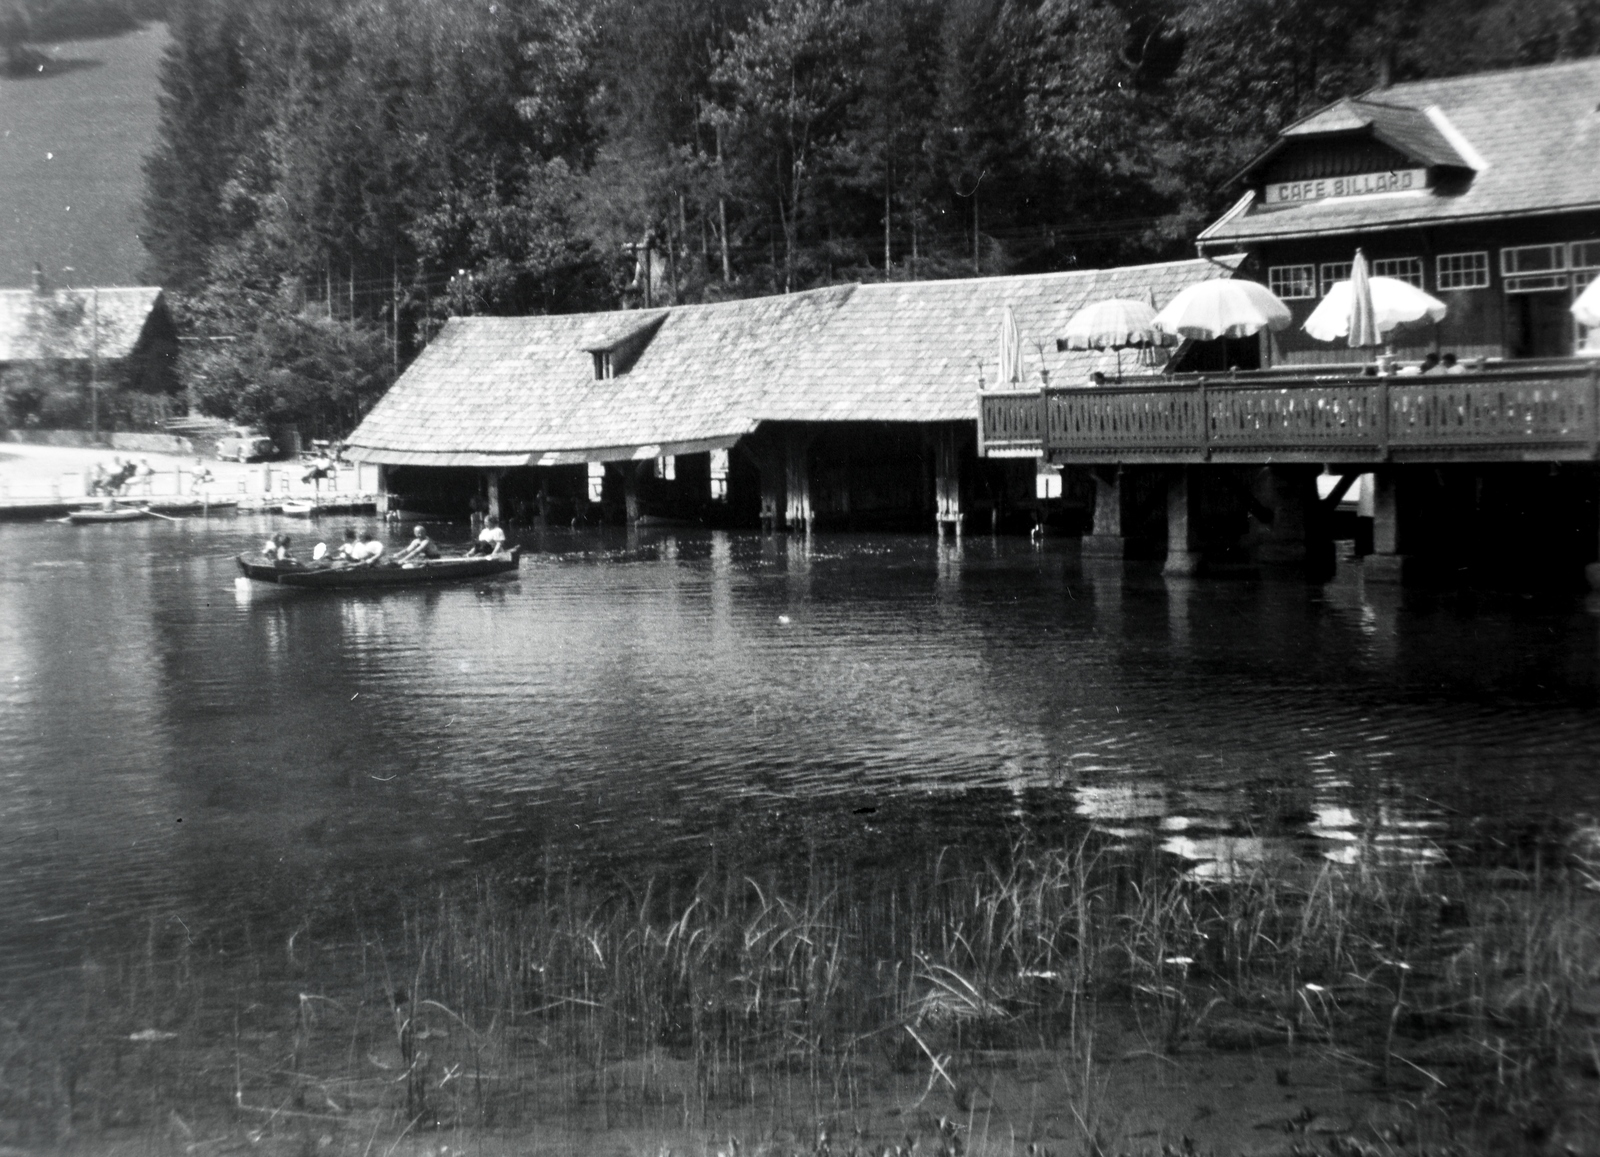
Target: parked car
246	446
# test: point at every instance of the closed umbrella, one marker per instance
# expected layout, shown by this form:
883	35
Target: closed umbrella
1223	307
1010	350
1587	308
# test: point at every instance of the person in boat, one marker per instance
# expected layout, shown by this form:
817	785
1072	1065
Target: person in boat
369	550
491	539
350	549
276	548
420	547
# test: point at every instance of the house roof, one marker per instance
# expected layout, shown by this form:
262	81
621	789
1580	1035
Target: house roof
1531	137
522	391
74	324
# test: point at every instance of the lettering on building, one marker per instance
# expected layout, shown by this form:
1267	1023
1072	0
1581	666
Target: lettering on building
1361	184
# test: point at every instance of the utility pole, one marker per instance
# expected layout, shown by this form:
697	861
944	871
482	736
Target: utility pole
94	366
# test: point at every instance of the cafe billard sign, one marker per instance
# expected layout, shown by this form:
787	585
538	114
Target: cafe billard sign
1392	181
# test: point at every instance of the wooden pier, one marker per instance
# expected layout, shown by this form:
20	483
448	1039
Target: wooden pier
1449	455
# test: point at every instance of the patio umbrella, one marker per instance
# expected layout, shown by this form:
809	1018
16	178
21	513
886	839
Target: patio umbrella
1223	307
1117	324
1365	310
1010	351
1587	308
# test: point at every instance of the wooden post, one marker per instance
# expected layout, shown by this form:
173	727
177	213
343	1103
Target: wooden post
947	480
630	492
1387	562
798	514
492	478
381	499
1106	540
1183	522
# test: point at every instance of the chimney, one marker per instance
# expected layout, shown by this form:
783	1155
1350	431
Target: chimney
39	285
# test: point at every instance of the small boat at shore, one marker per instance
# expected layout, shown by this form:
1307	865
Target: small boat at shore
91	514
344	576
299	508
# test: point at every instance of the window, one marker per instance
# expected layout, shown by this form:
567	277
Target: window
1531	268
1585	256
1292	281
1407	269
1463	270
719	475
597	480
667	468
602	365
1333	271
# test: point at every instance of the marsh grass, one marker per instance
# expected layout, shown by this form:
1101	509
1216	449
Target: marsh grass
798	1007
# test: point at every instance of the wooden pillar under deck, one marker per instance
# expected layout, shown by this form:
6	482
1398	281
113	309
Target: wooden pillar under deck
947	480
1106	540
1390	534
1183	522
798	514
1290	493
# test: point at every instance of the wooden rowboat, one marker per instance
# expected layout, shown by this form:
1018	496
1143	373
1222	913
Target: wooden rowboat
97	514
344	576
299	508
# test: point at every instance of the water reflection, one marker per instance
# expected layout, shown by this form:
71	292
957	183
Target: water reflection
650	700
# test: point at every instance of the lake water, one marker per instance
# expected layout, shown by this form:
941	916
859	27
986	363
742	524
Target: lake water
178	746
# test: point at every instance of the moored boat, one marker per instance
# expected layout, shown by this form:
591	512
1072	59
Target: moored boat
346	576
89	514
298	507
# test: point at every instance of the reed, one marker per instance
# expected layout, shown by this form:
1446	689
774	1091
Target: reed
804	1008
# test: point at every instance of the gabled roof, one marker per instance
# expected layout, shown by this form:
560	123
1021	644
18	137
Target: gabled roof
74	324
515	391
1531	135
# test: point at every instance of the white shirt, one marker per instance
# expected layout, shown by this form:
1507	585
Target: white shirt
492	534
371	550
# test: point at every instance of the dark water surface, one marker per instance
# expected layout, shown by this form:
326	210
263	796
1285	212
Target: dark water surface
177	746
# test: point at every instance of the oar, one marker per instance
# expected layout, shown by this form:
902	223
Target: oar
158	514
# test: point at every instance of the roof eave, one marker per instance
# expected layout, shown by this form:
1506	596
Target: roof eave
1383	227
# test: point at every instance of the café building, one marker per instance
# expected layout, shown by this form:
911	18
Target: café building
1482	190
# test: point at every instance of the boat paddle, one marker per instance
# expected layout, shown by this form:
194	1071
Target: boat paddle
158	514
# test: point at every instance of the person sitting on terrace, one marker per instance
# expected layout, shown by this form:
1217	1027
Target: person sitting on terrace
421	546
1449	365
1430	362
491	539
1096	378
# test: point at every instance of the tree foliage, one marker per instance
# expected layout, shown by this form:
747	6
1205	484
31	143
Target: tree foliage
334	176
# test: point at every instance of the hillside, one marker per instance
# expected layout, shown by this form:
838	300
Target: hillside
71	147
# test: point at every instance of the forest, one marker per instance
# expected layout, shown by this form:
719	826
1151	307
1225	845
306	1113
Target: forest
334	177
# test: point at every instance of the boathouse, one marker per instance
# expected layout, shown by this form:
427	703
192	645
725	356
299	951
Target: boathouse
843	407
1482	190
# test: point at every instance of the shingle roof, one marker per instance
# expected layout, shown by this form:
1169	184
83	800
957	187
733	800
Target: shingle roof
73	324
507	391
1533	134
1408	130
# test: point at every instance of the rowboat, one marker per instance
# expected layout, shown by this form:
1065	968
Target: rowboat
298	507
99	514
344	575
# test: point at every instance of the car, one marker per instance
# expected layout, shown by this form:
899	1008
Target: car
246	446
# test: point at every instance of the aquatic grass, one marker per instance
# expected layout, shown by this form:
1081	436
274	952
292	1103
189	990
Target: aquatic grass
679	1003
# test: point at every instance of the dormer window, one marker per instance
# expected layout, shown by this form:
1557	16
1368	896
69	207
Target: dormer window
604	367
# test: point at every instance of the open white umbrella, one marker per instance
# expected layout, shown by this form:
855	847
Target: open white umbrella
1394	303
1116	324
1120	323
1223	307
1587	308
1010	351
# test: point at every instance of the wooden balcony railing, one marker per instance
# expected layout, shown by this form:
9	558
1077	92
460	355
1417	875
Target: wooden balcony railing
1546	412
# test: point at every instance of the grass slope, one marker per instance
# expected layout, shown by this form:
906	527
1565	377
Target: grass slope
72	141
